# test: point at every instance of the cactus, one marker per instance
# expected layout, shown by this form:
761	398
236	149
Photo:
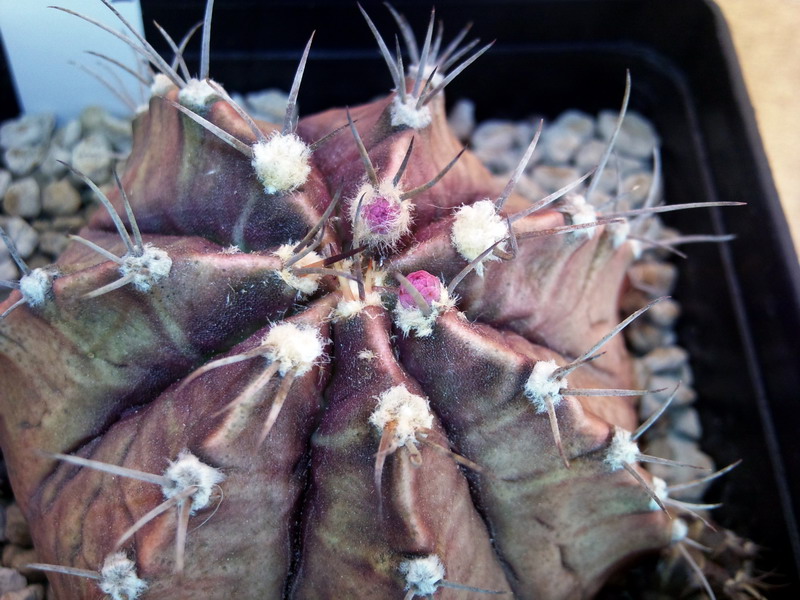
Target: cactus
331	359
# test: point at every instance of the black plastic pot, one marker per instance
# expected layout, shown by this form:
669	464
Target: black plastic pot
741	301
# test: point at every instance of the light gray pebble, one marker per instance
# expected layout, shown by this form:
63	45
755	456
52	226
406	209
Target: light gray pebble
32	592
589	155
637	137
528	187
665	359
8	269
494	136
498	161
92	157
664	313
667	384
60	198
52	166
608	180
17	530
53	243
22	198
552	178
559	144
462	119
25	237
645	337
636	187
68	135
686	422
21	161
628	165
576	122
11	580
5	181
268	105
29	130
683	451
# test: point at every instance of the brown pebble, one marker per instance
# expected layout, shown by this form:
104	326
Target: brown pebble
52	243
18	558
17	530
656	277
22	198
70	224
60	198
37	261
665	313
32	592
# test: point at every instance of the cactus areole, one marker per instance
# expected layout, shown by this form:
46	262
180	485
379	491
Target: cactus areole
227	389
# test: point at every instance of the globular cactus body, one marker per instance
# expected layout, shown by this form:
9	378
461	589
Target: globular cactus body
316	495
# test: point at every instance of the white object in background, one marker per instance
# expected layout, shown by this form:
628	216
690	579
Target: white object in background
40	43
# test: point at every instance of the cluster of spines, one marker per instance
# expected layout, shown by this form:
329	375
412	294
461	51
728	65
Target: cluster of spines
380	217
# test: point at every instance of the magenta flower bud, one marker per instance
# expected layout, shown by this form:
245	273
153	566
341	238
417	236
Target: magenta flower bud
426	284
381	215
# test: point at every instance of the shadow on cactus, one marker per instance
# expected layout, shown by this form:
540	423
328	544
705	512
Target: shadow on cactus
332	359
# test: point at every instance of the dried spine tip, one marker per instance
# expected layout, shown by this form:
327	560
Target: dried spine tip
305	284
409	317
622	451
187	472
294	348
118	578
541	385
475	228
423	575
408	413
198	95
146	270
281	162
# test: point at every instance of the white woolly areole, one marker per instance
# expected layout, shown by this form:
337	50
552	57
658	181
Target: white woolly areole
423	575
350	308
541	385
622	450
398	227
619	233
161	85
581	212
281	162
148	269
414	320
118	578
305	284
475	228
35	286
660	490
293	348
407	114
409	413
188	471
197	95
679	530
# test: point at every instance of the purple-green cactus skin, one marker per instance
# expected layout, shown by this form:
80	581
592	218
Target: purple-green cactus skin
323	488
